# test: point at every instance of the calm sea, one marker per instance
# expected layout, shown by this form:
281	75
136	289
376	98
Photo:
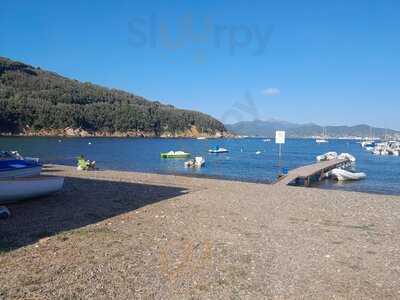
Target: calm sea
241	163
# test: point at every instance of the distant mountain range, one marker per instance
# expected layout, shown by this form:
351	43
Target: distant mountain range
268	128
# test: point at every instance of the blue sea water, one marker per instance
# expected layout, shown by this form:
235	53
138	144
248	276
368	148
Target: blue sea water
241	163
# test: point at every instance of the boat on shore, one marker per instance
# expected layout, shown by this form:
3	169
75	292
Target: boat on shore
17	189
16	155
175	154
16	168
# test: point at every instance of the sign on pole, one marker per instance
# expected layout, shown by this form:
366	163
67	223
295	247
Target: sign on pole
280	140
280	137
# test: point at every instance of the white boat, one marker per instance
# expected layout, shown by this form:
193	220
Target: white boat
367	144
327	156
13	190
369	148
197	162
17	168
218	150
347	156
266	140
321	141
258	152
344	175
387	148
201	138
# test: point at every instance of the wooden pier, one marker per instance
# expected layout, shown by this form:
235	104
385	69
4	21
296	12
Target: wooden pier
307	173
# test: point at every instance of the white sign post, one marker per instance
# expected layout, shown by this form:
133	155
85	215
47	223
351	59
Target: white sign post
280	137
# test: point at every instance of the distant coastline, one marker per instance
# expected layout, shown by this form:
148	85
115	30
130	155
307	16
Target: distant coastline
267	128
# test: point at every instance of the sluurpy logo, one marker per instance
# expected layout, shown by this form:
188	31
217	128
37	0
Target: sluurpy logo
198	34
241	110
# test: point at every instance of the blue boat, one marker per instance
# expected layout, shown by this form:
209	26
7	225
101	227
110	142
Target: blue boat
11	167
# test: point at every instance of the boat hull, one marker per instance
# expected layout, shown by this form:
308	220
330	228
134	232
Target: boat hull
166	155
343	175
22	172
14	190
15	168
220	150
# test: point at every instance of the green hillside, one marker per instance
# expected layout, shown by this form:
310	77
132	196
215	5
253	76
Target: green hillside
33	100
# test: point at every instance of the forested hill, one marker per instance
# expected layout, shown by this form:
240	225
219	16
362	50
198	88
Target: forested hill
37	101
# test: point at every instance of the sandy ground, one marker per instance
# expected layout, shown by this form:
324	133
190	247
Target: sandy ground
129	235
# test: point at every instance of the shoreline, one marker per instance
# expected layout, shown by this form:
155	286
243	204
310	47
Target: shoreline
230	136
198	176
113	136
316	185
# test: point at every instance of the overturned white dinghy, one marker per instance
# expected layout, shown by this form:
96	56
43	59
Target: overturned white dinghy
344	175
327	156
13	190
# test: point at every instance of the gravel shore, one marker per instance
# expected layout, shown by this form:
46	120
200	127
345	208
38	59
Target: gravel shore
126	235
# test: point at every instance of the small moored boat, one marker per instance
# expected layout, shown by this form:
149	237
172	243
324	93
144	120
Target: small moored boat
13	190
347	156
344	175
327	156
175	154
197	162
218	150
321	141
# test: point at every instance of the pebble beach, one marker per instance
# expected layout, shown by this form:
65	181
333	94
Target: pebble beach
127	235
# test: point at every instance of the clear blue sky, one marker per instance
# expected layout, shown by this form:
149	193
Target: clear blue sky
329	62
